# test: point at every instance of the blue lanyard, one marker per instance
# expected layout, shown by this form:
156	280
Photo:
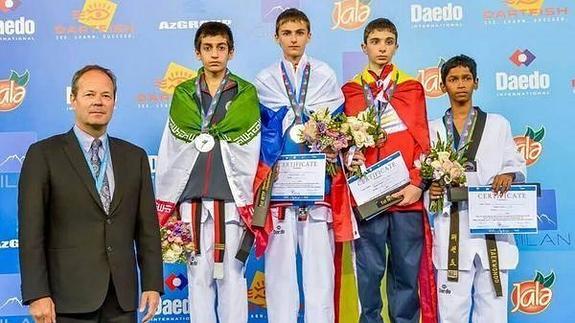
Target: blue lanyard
297	104
103	166
465	135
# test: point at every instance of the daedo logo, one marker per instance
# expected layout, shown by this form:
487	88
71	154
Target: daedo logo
430	78
533	83
21	29
524	11
7	6
95	22
449	15
533	296
179	281
522	57
174	75
350	14
529	144
13	90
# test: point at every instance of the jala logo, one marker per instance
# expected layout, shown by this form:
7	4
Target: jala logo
529	145
13	91
9	5
350	14
534	83
430	78
533	296
449	13
188	24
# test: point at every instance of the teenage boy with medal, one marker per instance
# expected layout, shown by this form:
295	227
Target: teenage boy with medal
465	262
403	228
207	162
289	91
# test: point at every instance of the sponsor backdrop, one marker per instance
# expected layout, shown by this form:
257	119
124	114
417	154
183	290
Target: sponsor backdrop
526	73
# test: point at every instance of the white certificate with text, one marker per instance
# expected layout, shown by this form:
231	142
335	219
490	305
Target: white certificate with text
301	177
513	212
379	179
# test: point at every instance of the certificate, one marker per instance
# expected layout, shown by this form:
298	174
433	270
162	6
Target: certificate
382	178
301	177
514	212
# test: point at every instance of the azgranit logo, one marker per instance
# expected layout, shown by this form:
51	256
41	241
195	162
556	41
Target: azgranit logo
13	91
350	14
430	78
533	296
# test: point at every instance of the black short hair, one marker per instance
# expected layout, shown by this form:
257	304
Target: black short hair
88	68
214	28
292	14
379	24
459	60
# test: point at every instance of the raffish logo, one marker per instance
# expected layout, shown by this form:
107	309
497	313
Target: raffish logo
9	5
522	57
13	91
533	296
430	78
175	74
350	14
98	14
529	145
257	290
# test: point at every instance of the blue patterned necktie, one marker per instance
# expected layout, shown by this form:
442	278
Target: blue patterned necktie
96	163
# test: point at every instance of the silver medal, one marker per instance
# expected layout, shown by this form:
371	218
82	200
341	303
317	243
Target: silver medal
296	133
204	142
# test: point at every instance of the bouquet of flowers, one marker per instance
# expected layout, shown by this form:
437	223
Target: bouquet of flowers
363	131
323	132
443	165
177	242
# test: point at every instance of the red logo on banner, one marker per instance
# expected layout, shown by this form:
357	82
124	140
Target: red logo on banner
13	91
529	145
430	78
533	296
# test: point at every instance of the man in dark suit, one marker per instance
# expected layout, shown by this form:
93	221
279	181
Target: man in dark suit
87	218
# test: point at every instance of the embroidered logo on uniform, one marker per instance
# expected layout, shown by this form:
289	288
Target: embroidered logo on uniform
278	230
444	290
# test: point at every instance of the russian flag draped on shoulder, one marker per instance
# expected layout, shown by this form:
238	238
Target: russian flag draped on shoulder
408	101
277	116
239	136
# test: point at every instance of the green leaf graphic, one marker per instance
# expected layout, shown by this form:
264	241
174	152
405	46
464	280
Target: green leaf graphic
538	136
539	277
549	280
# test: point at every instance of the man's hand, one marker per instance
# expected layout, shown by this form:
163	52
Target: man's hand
330	155
149	300
358	159
436	191
43	310
502	183
410	193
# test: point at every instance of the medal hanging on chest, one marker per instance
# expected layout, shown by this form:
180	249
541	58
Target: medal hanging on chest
296	130
205	142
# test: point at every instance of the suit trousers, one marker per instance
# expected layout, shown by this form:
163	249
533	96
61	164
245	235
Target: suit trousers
402	233
109	312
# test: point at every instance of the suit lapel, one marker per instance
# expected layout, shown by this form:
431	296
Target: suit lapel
120	169
76	156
